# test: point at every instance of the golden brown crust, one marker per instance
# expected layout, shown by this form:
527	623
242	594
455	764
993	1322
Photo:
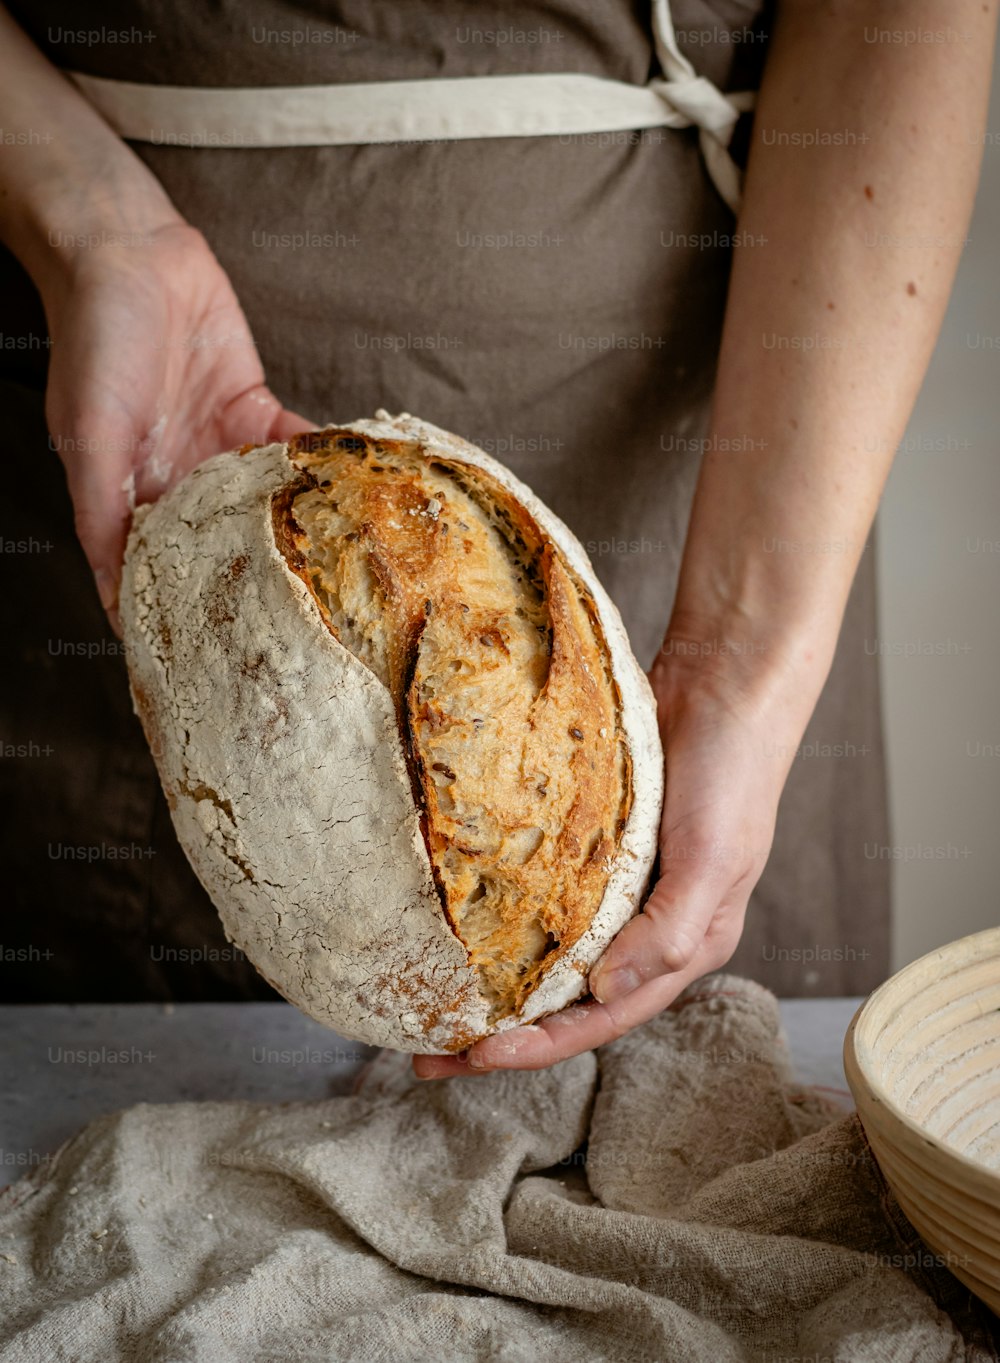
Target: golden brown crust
441	582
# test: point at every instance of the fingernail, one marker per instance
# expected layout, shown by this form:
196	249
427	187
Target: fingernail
614	984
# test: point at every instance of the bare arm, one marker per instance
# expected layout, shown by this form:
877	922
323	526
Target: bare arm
152	367
831	323
68	175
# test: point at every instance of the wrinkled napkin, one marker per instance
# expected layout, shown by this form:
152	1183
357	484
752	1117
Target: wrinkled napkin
673	1196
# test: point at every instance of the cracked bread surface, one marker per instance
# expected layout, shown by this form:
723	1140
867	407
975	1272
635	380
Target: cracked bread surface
445	587
299	767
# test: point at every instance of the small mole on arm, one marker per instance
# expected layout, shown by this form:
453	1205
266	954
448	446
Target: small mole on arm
831	306
911	288
869	192
793	423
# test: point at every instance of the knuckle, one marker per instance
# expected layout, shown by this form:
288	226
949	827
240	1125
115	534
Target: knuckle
678	949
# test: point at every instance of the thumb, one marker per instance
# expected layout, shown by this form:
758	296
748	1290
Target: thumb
665	937
287	424
255	416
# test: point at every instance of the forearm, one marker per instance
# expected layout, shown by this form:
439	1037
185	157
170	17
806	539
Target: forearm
832	316
64	175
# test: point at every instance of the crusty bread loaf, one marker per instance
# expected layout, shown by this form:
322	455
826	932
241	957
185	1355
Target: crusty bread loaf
405	744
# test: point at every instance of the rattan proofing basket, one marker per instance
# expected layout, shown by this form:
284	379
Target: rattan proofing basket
922	1058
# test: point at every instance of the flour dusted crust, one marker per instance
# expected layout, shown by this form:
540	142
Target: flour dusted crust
419	776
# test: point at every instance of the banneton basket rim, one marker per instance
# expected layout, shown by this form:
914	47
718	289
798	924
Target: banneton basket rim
867	1085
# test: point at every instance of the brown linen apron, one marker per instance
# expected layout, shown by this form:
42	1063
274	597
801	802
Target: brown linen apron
557	299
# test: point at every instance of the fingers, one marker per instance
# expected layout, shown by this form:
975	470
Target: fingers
249	418
256	417
440	1066
665	937
682	940
714	840
716	833
689	926
565	1034
584	1027
102	495
287	424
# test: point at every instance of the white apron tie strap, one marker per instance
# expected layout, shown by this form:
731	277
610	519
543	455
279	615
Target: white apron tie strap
713	113
457	108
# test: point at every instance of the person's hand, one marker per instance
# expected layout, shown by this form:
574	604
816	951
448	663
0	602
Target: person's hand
730	725
152	370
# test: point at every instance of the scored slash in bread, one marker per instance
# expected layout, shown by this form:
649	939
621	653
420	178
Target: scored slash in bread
404	741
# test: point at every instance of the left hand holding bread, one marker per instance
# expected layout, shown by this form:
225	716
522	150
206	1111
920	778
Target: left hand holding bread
729	732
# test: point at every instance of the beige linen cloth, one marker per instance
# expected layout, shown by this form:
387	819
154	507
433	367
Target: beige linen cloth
672	1197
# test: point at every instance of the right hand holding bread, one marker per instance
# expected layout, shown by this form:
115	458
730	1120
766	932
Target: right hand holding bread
152	366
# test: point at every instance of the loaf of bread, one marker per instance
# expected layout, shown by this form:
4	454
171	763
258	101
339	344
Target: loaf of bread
404	741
